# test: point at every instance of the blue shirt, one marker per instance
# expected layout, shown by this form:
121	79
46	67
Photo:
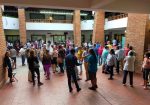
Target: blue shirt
71	61
92	63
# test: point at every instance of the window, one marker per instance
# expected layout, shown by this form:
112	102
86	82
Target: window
37	16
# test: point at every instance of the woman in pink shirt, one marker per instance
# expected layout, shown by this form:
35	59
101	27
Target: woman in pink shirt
100	51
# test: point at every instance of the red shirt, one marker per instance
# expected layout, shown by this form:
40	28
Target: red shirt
100	50
126	50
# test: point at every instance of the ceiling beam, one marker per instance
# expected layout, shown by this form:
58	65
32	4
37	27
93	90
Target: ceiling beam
61	4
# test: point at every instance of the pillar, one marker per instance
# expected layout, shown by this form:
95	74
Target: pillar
3	73
135	36
98	29
147	36
22	26
77	28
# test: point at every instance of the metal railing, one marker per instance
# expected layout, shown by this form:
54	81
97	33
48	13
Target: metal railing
117	17
49	21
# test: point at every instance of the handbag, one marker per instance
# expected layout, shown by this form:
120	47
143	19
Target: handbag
36	65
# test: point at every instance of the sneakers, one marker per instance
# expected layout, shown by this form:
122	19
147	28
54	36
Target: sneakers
124	84
131	85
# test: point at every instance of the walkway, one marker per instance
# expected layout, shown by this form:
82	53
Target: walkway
55	92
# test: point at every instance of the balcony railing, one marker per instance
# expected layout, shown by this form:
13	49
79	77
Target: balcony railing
49	21
117	17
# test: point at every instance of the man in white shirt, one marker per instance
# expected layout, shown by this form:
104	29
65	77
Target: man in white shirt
129	68
120	56
22	54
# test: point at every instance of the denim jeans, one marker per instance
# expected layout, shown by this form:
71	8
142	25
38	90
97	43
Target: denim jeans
23	59
110	70
125	77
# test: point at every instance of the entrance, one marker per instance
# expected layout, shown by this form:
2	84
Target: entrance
38	37
12	38
59	39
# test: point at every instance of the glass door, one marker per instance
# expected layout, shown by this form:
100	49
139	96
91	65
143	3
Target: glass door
59	39
38	37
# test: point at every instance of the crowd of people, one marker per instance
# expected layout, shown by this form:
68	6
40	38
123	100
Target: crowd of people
68	57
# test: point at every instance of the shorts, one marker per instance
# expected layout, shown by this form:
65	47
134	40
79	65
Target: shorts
92	75
54	60
146	73
14	59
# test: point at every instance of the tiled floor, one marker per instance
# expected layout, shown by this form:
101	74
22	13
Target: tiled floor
55	91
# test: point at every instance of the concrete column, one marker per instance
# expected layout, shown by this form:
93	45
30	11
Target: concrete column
22	25
98	29
77	28
3	73
135	36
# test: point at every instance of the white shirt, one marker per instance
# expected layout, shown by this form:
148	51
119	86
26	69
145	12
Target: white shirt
129	64
22	51
120	54
114	42
13	53
111	60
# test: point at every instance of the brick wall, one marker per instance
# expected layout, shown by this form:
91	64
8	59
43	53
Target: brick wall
3	74
135	36
22	25
77	28
98	31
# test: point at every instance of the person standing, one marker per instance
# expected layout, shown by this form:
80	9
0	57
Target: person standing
7	65
22	53
129	68
126	50
111	62
34	67
100	51
92	69
85	59
60	59
13	54
104	57
54	59
120	56
71	62
46	61
146	69
80	59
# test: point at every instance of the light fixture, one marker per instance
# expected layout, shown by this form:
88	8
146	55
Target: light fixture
60	13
